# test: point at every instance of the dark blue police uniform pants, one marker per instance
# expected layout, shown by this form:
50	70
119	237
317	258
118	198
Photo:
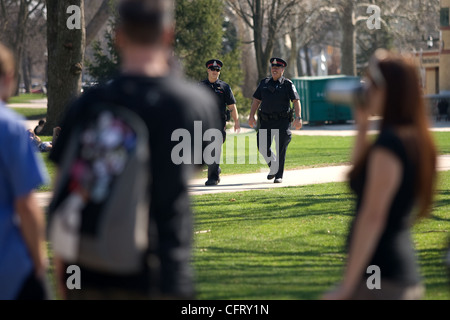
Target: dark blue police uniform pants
283	135
214	169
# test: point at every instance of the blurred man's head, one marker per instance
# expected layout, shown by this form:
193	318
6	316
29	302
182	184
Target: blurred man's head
146	22
144	36
7	73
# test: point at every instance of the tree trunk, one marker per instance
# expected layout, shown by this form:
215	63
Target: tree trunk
257	36
248	57
262	53
300	71
20	38
307	61
65	59
292	69
348	57
98	21
275	12
26	74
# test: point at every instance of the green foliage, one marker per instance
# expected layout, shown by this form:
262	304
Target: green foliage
233	74
243	104
105	65
202	33
198	34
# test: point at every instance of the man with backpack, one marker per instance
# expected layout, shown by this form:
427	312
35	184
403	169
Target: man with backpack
148	87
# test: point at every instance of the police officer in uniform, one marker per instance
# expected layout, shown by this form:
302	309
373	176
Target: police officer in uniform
273	99
226	104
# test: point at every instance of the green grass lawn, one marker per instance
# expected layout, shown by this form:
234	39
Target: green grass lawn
303	152
287	243
26	98
32	113
283	244
442	140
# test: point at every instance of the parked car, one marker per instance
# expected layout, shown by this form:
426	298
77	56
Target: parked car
38	88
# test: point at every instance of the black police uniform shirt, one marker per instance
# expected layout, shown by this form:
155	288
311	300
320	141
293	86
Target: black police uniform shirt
276	96
165	104
224	96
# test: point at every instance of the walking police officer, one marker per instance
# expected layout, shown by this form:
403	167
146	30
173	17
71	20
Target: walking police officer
273	99
227	108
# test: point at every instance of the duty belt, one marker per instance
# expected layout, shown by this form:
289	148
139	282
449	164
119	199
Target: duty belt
273	116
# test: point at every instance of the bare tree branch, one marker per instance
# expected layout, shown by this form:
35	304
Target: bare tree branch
240	11
38	5
98	21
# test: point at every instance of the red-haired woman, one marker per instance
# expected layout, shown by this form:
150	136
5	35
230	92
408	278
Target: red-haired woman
392	176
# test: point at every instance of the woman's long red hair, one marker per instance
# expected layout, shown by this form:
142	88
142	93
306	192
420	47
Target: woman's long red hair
405	108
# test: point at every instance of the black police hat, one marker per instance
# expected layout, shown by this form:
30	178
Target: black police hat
278	62
214	63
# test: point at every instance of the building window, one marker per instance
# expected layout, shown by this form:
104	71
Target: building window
445	17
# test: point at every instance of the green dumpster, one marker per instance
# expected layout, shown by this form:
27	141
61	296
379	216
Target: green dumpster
315	107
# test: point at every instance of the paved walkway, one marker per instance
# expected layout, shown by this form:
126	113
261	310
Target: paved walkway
258	181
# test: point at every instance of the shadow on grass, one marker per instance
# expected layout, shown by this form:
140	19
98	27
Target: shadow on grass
228	273
261	207
434	271
442	200
278	245
302	274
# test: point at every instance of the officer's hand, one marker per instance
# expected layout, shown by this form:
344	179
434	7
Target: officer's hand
237	127
297	124
251	121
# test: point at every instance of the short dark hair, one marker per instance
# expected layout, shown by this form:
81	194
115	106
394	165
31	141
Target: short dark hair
143	21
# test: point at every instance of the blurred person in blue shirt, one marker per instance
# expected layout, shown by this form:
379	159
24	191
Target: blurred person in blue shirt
23	257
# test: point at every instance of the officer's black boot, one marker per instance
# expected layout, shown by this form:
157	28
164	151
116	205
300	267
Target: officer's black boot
273	170
213	175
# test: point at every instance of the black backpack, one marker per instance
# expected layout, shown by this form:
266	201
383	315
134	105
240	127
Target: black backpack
98	217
